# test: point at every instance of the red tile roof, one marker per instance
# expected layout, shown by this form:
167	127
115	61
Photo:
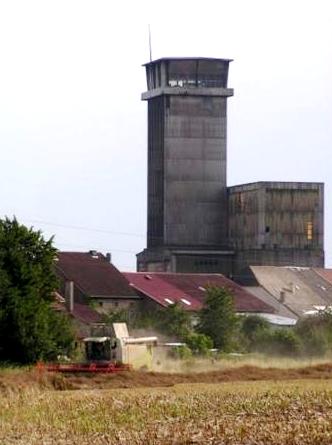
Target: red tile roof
85	314
156	287
93	274
165	288
81	312
325	273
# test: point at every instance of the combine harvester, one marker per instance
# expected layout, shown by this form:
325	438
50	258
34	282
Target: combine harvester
109	354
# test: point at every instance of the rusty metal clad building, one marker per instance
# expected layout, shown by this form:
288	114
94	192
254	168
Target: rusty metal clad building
276	223
187	188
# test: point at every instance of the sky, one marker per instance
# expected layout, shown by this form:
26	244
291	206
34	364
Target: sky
73	130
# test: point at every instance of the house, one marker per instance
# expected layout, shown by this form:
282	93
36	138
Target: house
159	289
301	290
95	280
281	312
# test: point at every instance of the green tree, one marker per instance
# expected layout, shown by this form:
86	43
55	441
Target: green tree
29	328
217	319
174	321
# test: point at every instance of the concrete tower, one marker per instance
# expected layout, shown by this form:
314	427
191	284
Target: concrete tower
187	190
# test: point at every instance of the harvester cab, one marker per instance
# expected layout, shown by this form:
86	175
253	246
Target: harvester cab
99	349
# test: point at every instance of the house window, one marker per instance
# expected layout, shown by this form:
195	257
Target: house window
309	230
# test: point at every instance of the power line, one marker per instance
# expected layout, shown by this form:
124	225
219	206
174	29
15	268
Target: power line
88	229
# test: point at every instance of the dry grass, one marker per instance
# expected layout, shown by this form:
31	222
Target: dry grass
297	412
278	406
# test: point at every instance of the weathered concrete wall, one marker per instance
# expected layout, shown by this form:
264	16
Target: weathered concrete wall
246	217
156	124
294	218
195	171
278	257
276	215
189	260
276	223
187	131
207	263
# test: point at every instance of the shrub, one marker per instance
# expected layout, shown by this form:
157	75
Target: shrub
199	344
182	352
315	343
315	333
252	326
278	342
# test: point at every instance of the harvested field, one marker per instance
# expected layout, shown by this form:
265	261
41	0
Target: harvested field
242	404
155	379
14	380
288	412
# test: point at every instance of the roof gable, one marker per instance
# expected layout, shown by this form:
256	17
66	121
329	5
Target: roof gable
299	288
93	274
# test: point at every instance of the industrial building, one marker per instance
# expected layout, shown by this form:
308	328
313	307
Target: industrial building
197	224
275	223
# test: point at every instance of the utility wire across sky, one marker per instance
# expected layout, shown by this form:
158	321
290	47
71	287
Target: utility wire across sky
88	229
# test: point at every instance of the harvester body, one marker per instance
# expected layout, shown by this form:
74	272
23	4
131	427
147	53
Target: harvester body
113	353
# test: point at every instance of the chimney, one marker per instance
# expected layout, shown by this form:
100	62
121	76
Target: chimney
69	295
109	257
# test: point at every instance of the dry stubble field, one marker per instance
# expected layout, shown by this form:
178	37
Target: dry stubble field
234	412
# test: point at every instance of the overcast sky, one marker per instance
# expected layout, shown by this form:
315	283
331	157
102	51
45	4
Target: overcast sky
73	128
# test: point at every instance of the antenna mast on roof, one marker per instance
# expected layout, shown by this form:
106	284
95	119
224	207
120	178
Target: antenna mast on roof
150	47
